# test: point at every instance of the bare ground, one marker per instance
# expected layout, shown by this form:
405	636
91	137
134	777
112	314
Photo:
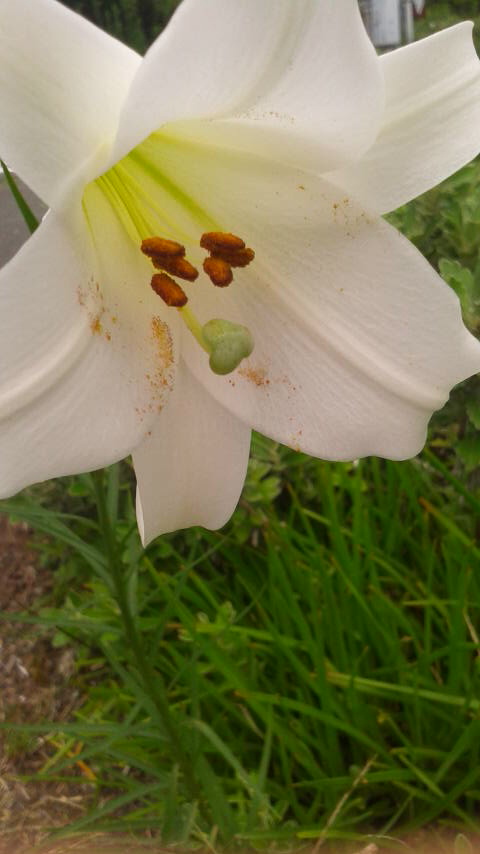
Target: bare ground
35	687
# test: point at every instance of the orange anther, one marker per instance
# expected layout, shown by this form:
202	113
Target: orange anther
176	266
153	246
219	271
216	241
171	293
238	258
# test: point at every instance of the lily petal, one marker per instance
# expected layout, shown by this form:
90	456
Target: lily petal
62	84
191	468
295	79
431	125
357	339
83	372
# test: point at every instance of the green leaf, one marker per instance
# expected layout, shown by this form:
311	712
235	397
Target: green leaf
23	206
469	451
473	412
457	276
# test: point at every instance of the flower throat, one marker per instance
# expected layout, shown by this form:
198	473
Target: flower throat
129	188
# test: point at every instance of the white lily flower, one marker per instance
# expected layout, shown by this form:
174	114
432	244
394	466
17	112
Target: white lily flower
274	121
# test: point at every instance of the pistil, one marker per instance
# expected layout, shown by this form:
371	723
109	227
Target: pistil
229	344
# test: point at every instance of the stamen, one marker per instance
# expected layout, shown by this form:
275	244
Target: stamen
176	266
226	247
154	246
219	271
218	241
238	258
171	293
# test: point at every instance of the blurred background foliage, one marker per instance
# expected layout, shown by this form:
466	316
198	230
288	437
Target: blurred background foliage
444	13
135	22
138	22
462	7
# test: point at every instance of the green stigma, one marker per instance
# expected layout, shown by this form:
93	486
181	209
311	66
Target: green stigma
228	343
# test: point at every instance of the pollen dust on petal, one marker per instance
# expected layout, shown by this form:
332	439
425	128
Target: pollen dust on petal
160	377
263	378
295	440
345	215
90	297
96	326
256	375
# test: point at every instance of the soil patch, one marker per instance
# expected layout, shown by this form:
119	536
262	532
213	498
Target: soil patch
35	680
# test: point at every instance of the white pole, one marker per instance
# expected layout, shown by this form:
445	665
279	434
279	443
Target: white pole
408	31
389	23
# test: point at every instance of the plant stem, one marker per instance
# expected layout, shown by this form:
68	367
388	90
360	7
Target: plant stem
152	681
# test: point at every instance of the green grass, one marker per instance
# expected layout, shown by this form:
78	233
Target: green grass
337	637
439	15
